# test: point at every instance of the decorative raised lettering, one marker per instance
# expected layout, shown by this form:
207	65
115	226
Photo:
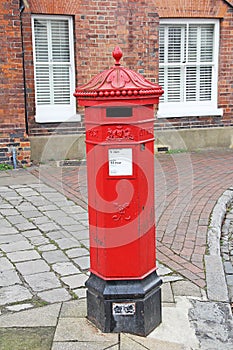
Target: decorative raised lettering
121	214
93	133
119	133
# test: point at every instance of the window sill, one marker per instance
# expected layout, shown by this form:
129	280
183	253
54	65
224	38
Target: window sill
175	112
47	119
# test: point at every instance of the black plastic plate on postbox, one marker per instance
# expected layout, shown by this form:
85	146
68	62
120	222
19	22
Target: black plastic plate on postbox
119	112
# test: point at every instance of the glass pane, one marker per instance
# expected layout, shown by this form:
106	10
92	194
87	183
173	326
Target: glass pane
205	83
191	83
207	37
161	83
61	84
161	44
41	40
43	85
174	84
60	41
174	44
192	43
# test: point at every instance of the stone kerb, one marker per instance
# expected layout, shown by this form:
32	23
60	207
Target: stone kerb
215	276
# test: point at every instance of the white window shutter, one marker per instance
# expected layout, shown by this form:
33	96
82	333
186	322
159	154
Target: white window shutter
60	41
175	44
54	68
174	84
187	64
191	83
207	37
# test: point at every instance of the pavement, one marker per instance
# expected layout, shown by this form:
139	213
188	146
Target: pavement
44	257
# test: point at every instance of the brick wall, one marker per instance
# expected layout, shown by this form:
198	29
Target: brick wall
100	25
12	112
191	8
206	9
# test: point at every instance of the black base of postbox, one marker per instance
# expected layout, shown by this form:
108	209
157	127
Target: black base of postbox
129	306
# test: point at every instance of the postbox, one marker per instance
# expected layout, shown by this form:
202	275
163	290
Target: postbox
123	290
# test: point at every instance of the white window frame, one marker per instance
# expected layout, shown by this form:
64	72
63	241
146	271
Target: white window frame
57	112
195	108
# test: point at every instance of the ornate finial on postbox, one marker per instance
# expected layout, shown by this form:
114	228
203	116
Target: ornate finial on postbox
117	54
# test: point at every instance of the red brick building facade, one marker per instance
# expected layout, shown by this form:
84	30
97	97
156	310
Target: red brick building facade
94	28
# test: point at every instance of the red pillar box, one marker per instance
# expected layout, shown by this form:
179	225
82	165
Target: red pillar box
123	290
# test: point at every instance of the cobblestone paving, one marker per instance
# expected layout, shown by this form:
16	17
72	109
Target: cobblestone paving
42	258
187	188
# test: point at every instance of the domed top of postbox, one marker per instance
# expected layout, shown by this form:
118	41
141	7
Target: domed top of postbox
118	84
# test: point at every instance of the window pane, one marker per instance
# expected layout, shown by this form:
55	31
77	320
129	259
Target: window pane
61	84
161	44
161	83
174	84
191	83
60	41
192	43
174	44
207	32
43	84
41	41
205	83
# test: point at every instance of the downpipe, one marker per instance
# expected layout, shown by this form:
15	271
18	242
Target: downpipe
14	157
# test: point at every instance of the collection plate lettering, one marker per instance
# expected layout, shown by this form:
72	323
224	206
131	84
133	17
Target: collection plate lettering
120	162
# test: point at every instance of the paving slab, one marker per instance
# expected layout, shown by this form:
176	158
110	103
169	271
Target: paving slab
80	292
23	244
37	241
26	255
167	294
55	295
5	264
6	237
32	267
54	256
175	325
80	329
67	243
13	294
74	308
8	278
42	281
84	346
65	268
7	229
18	177
75	281
19	307
83	262
186	288
45	316
77	252
26	338
131	342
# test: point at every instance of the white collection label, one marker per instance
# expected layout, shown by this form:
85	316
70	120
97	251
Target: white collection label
120	161
123	309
